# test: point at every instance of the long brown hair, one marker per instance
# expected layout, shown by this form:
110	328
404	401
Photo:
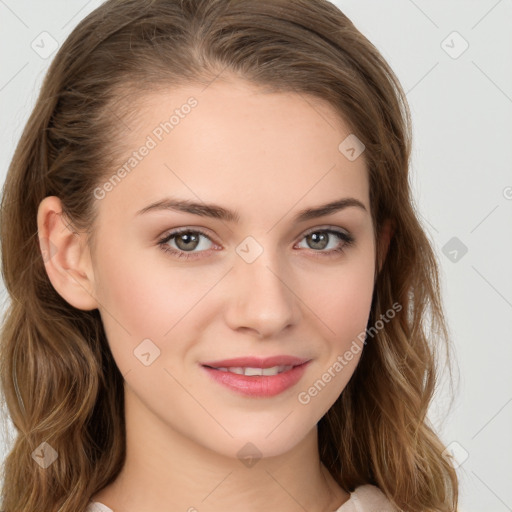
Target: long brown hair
59	379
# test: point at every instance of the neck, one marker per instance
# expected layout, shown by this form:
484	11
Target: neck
165	470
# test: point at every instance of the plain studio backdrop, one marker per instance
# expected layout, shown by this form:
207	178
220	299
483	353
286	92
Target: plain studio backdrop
454	60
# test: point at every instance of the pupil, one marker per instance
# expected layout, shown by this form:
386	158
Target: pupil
188	238
319	238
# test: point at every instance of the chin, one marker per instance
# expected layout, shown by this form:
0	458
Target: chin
256	443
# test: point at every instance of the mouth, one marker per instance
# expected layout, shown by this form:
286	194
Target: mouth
257	362
257	377
252	371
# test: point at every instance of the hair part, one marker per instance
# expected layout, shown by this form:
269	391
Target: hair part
59	379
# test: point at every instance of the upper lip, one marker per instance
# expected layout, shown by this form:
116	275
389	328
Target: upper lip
257	362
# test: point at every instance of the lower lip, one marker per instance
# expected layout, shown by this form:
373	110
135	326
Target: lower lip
258	385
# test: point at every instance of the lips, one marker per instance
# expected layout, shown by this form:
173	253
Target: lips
239	374
257	362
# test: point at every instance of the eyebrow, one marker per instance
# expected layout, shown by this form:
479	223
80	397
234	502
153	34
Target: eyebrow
218	212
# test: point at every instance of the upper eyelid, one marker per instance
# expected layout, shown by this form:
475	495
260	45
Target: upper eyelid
325	228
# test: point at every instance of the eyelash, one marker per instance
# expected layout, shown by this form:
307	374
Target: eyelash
345	237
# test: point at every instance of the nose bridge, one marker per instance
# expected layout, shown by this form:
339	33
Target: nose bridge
262	299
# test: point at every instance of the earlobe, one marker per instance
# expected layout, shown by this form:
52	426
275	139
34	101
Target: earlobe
65	255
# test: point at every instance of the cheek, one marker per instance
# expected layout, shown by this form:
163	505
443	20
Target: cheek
135	304
343	312
343	300
143	298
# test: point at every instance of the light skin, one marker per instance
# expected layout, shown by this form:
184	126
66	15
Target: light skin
267	156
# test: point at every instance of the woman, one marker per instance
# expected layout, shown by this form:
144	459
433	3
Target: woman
219	283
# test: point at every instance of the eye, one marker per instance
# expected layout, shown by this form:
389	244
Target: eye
319	239
186	240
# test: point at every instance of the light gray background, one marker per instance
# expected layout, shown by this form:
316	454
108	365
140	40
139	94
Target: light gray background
461	177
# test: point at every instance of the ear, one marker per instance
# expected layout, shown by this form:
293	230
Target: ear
66	255
385	235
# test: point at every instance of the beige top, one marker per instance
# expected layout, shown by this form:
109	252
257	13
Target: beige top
365	498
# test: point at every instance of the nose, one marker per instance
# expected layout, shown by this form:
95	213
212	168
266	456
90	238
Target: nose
263	298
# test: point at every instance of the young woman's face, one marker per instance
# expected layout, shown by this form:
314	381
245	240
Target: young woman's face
273	283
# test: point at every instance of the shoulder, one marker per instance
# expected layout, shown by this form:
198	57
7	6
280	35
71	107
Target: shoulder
96	506
367	498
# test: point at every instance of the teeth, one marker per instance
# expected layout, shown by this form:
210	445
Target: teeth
256	371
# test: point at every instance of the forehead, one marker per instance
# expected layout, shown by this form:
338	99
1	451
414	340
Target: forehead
233	143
